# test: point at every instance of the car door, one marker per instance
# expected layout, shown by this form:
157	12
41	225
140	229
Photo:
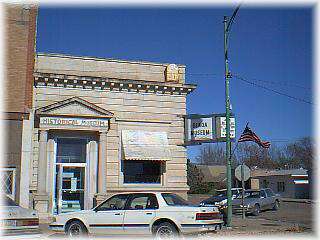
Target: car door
264	200
107	218
140	211
270	197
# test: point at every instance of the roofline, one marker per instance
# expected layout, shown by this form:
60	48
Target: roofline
60	55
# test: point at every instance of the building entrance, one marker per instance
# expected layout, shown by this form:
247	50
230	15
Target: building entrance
70	175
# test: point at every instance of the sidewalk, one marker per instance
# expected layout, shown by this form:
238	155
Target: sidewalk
297	200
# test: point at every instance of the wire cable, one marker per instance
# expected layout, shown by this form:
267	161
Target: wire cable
287	84
272	90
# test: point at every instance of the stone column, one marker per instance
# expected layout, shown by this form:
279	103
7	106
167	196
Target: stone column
42	162
102	163
41	199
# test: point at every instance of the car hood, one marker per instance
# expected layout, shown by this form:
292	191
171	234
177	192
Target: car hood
13	212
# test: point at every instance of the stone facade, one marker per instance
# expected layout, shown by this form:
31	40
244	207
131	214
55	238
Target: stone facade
139	96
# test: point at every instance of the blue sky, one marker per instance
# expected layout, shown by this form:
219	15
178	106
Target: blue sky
269	46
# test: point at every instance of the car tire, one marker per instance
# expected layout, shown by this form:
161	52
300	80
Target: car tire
165	230
76	229
276	205
256	210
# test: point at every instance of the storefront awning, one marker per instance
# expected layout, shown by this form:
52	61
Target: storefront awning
144	145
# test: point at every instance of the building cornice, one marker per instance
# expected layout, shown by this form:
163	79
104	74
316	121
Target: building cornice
102	83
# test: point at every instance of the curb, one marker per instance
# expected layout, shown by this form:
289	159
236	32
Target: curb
309	201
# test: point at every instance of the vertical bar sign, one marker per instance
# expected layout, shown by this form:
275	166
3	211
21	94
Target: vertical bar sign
221	126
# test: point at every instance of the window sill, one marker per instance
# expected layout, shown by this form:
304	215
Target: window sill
142	184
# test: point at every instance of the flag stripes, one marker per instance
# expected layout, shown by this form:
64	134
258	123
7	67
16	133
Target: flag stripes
249	135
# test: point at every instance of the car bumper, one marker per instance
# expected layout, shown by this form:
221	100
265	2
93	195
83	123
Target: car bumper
201	227
238	210
56	227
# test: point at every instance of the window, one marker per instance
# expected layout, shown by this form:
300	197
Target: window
114	203
251	194
137	171
174	200
263	194
265	183
269	192
8	176
280	186
143	201
71	150
8	202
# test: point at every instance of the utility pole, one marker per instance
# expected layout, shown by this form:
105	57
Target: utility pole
228	143
227	26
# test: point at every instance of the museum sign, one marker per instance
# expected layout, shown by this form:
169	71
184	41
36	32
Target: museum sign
207	128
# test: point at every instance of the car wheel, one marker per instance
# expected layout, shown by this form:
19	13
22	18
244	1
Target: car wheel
165	230
256	210
276	205
76	229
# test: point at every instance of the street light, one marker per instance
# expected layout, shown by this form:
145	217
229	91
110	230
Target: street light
227	27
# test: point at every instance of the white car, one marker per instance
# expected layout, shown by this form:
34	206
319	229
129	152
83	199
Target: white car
158	214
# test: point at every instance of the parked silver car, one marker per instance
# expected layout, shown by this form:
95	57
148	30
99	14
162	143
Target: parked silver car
255	201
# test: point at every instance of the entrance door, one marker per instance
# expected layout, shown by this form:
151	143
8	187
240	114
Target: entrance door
70	188
70	175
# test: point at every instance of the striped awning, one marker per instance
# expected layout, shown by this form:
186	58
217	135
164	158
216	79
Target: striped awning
145	145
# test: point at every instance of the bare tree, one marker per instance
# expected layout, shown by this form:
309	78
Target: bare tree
212	154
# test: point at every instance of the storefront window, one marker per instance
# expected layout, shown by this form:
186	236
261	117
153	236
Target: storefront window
138	171
71	150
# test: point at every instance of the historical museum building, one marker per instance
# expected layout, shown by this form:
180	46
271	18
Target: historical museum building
104	126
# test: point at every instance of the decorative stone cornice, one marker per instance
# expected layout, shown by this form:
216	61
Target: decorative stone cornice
110	84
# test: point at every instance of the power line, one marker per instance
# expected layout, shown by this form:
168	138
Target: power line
287	84
272	90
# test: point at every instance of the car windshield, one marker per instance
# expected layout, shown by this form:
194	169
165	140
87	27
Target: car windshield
174	200
250	194
8	202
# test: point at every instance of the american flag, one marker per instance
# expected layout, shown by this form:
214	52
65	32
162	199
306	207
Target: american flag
249	135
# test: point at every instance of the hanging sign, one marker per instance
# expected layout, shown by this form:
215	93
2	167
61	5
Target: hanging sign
200	129
207	128
73	184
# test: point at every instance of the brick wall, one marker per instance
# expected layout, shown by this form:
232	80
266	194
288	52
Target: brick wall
20	29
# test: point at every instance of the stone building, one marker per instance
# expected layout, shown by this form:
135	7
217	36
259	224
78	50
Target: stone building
19	31
104	126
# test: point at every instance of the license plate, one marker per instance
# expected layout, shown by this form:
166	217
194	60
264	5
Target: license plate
9	223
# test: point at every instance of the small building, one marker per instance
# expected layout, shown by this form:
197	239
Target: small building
292	183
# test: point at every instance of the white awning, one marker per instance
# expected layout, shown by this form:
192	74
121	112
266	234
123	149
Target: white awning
144	145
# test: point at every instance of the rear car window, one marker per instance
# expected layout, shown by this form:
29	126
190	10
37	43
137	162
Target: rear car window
174	200
8	202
